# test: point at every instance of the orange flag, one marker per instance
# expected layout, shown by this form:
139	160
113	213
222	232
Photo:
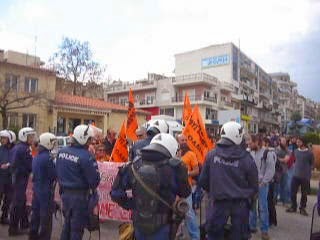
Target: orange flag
187	109
132	122
197	138
120	150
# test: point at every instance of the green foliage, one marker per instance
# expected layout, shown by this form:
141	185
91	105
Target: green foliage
312	137
296	116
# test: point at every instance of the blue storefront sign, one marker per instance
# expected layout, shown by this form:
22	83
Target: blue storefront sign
215	61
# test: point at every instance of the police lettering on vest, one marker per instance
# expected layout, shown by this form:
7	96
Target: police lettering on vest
69	157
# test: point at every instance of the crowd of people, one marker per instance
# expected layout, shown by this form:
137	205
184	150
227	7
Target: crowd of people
243	179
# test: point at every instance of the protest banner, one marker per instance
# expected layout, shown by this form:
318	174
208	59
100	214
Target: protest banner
108	209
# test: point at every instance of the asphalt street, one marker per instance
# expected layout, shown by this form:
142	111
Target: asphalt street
290	227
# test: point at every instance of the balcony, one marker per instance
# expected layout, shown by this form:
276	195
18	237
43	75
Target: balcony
143	103
195	79
226	86
125	87
249	100
194	98
225	104
265	95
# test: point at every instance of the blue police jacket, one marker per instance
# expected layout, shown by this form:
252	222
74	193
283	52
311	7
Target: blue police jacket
43	171
21	160
229	172
5	176
173	182
77	168
139	145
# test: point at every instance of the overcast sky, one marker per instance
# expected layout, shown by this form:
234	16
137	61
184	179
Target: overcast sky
134	37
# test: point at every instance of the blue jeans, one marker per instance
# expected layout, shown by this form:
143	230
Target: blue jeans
191	221
162	234
284	189
263	211
289	180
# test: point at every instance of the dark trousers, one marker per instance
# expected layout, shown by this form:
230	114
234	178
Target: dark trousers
272	204
76	216
41	217
220	211
6	196
305	188
18	211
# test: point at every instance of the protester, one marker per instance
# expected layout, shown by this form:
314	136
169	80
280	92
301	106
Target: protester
7	143
189	158
78	176
230	176
101	154
156	180
44	175
141	133
271	199
292	146
21	166
265	162
301	176
110	140
283	156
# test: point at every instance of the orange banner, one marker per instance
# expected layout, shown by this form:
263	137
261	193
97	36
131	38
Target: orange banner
187	109
197	138
132	122
120	150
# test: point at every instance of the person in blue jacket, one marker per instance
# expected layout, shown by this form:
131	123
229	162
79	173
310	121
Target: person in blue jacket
165	175
154	127
78	175
21	166
7	142
43	178
230	177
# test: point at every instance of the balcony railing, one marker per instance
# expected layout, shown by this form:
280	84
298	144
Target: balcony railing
178	99
194	78
133	86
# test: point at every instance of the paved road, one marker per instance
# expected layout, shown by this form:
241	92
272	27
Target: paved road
290	227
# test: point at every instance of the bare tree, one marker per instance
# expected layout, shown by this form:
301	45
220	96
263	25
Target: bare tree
74	62
12	99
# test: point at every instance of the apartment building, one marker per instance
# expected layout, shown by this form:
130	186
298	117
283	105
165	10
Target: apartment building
251	87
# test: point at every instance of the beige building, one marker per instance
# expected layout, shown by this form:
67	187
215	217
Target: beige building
57	112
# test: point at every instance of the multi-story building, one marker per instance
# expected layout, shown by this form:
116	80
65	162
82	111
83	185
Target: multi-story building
55	112
251	87
287	96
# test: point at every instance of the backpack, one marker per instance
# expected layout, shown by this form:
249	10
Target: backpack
147	218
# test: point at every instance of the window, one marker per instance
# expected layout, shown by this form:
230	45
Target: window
29	120
30	85
150	99
235	65
11	82
123	101
210	114
167	111
13	119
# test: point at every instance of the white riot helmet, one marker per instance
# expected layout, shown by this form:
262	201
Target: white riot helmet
164	143
7	134
158	126
24	132
82	133
47	140
13	136
232	131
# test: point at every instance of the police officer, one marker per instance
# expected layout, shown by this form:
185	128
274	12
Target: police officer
154	127
44	175
230	176
165	178
7	142
77	173
21	166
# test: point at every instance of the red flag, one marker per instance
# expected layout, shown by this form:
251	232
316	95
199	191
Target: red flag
132	122
187	109
120	150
